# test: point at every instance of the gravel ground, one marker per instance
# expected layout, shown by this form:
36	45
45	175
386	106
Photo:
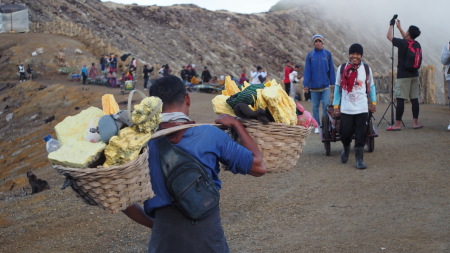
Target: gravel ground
400	203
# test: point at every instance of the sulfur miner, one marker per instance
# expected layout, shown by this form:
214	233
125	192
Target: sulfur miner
127	145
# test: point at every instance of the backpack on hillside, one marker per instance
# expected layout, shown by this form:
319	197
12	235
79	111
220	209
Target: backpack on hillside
191	187
413	58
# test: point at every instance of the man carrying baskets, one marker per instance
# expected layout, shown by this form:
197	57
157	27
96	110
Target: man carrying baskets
172	231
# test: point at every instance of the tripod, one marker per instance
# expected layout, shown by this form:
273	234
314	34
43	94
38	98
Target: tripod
391	104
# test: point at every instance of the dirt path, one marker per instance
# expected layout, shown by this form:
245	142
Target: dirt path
399	204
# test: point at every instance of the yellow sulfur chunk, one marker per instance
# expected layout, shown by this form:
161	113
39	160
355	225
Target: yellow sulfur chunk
281	106
231	86
220	105
142	111
125	147
77	154
260	102
246	84
225	93
75	127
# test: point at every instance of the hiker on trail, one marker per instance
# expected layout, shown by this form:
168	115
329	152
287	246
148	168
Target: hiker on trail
318	76
243	79
30	72
293	79
407	85
172	231
93	72
147	71
84	73
22	76
259	76
206	75
445	59
113	61
184	74
354	96
287	71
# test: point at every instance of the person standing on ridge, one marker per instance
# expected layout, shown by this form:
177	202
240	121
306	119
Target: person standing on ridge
287	82
318	76
407	85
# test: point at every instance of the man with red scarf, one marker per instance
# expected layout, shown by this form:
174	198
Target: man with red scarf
354	96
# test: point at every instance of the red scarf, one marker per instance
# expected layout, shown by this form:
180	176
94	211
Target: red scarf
349	76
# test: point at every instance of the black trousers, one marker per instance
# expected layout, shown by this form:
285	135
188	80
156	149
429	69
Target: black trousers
353	124
287	87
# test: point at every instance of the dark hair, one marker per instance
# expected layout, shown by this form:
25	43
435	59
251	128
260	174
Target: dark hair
414	32
296	66
170	89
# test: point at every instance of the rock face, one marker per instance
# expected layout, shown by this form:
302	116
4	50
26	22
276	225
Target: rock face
228	43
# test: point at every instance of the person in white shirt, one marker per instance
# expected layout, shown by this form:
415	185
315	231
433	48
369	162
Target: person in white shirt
293	77
353	91
259	76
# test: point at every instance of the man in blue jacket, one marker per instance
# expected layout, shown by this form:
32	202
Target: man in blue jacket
318	76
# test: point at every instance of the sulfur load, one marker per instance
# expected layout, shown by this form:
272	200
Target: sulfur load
127	145
220	105
281	106
77	154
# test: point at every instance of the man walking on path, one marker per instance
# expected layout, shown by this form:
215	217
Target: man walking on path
318	76
407	86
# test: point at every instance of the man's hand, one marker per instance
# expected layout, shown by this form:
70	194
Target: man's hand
306	89
227	120
337	112
372	108
398	24
392	22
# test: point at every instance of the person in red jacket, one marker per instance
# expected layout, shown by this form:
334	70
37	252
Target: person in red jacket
287	82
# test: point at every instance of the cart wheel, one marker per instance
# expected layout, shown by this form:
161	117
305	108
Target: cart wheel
370	142
326	135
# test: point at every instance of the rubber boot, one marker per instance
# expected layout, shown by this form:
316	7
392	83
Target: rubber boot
359	155
345	153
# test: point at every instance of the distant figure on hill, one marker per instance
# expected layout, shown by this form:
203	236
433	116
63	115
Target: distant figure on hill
84	73
287	82
147	71
30	72
113	61
293	78
318	76
93	72
184	74
206	75
259	76
22	76
408	83
243	79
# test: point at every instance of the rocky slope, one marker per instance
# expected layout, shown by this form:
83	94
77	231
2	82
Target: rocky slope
226	42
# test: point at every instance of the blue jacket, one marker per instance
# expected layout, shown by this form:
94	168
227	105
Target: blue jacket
84	71
209	145
319	69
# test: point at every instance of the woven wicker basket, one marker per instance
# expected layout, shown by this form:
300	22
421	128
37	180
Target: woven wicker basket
112	188
280	144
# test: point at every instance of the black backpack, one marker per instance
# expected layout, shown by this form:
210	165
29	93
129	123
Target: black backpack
192	189
413	58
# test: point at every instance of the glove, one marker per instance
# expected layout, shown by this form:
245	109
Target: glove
392	22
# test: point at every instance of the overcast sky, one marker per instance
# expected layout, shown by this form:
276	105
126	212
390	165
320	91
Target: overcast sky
240	6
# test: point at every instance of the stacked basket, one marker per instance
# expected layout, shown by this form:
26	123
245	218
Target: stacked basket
113	188
280	144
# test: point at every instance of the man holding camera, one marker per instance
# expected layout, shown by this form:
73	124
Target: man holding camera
407	86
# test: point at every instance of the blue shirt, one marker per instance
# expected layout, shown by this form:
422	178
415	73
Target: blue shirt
319	70
209	145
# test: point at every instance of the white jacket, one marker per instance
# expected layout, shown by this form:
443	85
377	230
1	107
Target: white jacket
445	59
